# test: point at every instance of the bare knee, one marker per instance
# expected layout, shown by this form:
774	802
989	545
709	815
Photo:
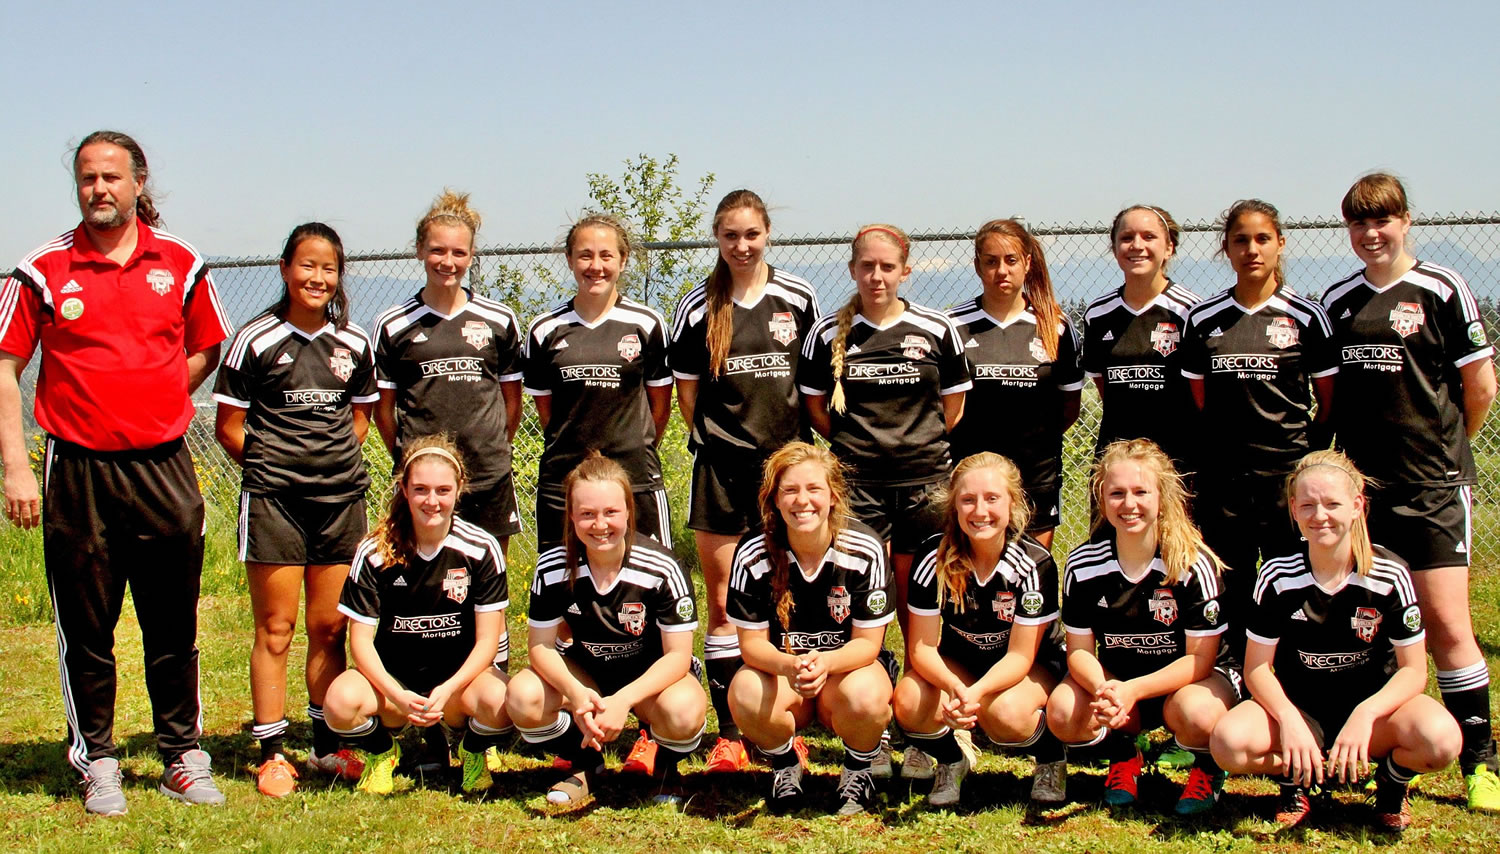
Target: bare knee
916	702
1437	743
348	700
526	699
274	635
1010	717
1067	716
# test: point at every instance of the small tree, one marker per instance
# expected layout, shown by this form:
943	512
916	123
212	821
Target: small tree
651	203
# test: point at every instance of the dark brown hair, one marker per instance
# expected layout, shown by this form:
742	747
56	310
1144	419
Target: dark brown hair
1037	289
1375	195
1251	206
720	283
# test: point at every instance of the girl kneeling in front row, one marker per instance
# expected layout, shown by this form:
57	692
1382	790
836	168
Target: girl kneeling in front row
631	611
1144	623
426	600
982	598
811	597
1323	628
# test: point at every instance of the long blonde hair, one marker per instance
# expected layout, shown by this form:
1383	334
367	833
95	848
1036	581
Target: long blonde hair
1037	289
719	330
955	553
395	541
1359	533
773	527
1177	539
875	231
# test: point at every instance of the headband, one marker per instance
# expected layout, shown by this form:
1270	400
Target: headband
1160	217
1347	473
457	466
900	241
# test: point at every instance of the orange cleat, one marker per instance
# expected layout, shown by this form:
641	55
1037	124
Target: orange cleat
642	758
727	757
276	777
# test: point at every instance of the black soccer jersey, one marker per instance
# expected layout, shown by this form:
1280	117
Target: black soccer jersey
1135	357
891	431
753	404
1020	590
446	373
298	390
1015	407
850	589
1334	645
424	611
1140	626
1257	366
613	628
597	374
1399	412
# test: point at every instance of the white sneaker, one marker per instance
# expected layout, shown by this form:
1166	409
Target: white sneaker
102	794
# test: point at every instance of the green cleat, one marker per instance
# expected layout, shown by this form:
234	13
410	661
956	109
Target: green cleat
1484	790
379	776
476	771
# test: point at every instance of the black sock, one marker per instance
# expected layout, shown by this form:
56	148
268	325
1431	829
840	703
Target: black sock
376	741
941	746
325	740
1466	694
859	760
720	671
478	742
1118	746
1204	760
1048	748
271	736
784	756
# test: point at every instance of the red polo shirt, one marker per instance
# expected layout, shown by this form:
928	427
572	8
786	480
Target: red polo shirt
114	338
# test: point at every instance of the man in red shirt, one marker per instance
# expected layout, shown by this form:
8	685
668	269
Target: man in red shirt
128	323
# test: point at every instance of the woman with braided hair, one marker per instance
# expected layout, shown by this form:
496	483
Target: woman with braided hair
811	598
884	380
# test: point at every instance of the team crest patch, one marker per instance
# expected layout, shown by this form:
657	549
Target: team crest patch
1282	331
341	363
684	608
477	333
1031	603
1004	606
1163	606
783	327
915	346
160	280
1164	338
1211	611
1407	317
1366	621
456	584
630	347
633	617
838	604
1038	350
1412	618
1476	334
876	601
72	308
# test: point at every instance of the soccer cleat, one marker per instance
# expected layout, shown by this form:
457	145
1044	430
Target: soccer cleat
727	757
880	766
916	765
1120	782
856	791
946	778
379	776
188	780
1201	792
1049	782
642	757
1484	789
1294	808
476	772
343	763
102	794
492	759
786	788
1174	757
276	777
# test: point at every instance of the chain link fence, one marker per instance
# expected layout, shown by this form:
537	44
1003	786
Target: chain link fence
530	278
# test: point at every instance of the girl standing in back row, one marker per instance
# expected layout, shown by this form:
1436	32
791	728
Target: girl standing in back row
736	341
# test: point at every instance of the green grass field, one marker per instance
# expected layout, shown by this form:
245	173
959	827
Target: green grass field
40	805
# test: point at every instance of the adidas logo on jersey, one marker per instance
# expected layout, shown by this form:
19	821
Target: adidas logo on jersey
1216	333
970	343
71	287
286	359
1299	616
513	516
1102	603
1460	549
399	582
1109	336
1475	720
1346	315
853	348
421	337
561	345
573	609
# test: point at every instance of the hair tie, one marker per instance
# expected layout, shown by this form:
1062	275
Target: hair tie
900	241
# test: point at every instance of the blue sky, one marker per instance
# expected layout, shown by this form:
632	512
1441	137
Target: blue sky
260	115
